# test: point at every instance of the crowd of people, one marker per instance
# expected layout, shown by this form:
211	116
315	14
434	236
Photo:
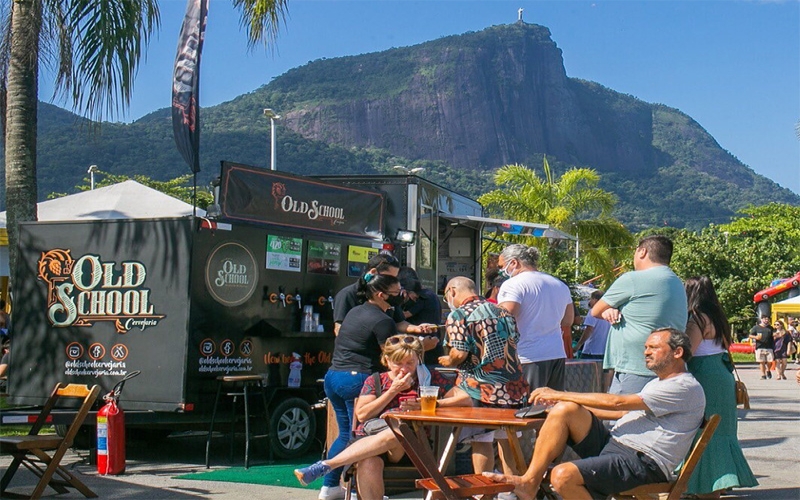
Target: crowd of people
665	342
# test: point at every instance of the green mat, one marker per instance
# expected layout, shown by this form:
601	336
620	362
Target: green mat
272	475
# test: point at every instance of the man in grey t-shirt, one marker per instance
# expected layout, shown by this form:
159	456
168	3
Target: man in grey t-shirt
654	430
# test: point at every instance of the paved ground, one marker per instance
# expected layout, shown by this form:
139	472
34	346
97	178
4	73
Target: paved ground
769	433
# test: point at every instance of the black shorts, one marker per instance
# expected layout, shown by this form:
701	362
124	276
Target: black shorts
608	467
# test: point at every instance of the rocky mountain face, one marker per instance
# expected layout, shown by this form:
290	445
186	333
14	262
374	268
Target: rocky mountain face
468	103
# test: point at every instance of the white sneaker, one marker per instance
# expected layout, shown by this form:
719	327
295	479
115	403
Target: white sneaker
331	493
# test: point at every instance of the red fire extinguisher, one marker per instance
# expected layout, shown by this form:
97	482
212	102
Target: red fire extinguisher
111	431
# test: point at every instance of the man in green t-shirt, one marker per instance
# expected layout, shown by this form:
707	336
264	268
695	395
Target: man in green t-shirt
649	298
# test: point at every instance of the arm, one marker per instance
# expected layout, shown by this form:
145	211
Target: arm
598	403
587	333
568	317
602	310
511	307
368	406
453	358
694	333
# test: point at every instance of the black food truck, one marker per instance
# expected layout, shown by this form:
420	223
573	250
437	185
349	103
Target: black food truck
248	292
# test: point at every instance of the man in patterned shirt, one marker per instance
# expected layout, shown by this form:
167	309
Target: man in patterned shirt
482	339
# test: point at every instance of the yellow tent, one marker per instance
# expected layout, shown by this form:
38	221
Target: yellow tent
788	307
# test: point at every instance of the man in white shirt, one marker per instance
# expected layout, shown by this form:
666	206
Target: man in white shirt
542	305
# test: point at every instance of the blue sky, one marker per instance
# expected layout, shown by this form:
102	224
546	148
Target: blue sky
733	66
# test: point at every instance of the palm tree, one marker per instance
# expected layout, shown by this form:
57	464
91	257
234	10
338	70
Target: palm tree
95	48
574	204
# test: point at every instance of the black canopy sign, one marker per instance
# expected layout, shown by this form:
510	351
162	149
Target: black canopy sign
267	197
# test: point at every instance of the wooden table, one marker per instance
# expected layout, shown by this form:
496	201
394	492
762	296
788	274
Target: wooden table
409	427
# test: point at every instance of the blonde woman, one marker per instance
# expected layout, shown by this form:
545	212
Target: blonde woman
401	355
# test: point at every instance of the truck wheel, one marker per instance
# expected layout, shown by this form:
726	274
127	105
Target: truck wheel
85	439
292	427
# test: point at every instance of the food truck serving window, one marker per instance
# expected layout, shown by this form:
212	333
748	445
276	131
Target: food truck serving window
261	196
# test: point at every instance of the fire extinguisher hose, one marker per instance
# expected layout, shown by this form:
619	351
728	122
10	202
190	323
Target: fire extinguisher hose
117	390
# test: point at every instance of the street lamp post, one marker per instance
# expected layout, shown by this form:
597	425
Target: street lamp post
269	113
91	171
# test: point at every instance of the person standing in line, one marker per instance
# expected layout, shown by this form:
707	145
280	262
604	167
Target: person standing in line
542	305
780	339
649	298
765	355
723	464
795	333
356	356
482	339
422	306
592	343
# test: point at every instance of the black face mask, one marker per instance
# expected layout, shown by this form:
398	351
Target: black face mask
395	300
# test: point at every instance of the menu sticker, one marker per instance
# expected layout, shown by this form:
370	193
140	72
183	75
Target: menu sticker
284	253
323	257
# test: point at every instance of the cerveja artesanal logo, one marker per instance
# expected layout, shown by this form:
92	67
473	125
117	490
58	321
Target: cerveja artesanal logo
83	291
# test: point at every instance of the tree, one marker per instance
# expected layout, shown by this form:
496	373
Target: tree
178	187
573	204
743	256
95	48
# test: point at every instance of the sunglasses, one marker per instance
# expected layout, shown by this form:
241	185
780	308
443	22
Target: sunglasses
406	339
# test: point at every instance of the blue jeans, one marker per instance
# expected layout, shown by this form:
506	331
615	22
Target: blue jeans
342	388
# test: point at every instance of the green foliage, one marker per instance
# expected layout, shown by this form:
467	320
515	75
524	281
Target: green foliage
572	203
742	257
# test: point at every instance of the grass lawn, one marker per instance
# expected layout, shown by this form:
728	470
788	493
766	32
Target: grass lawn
739	357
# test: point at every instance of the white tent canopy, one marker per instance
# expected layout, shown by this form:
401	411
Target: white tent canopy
125	200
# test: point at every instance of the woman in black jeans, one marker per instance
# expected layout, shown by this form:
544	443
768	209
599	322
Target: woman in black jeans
356	355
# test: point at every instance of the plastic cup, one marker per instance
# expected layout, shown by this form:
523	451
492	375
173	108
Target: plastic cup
427	398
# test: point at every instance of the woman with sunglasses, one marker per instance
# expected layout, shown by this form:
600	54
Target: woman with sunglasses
781	337
356	355
723	464
402	355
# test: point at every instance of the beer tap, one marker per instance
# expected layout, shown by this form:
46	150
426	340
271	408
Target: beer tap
298	298
330	298
282	296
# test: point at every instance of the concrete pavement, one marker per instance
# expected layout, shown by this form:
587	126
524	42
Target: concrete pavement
769	433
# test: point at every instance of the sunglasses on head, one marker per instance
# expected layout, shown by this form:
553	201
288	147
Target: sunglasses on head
406	339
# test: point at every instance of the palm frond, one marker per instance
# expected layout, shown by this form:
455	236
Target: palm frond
261	19
101	45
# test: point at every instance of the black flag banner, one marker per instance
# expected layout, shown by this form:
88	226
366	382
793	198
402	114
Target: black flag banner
186	83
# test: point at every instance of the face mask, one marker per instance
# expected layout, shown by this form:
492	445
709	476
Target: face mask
395	300
504	273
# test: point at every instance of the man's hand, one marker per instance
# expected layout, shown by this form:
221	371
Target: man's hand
428	328
612	315
544	396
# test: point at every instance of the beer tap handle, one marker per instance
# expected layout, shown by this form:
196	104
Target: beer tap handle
298	298
330	299
282	296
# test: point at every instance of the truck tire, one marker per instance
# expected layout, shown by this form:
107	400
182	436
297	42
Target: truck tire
85	439
292	427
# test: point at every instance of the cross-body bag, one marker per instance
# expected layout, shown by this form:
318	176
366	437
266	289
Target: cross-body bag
375	425
742	398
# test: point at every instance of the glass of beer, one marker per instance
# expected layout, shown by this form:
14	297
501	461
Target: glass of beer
427	398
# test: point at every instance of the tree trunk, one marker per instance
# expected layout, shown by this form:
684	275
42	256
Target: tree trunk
21	118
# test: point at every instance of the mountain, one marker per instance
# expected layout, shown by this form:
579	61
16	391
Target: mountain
462	106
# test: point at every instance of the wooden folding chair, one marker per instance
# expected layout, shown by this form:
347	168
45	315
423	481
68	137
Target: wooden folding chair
438	485
396	478
675	489
31	450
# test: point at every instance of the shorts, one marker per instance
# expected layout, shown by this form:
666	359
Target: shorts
608	467
550	373
765	355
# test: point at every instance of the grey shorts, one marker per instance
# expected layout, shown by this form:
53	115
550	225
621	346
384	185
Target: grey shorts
608	467
628	383
550	373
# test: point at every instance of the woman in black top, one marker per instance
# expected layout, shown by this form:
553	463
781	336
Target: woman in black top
356	355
